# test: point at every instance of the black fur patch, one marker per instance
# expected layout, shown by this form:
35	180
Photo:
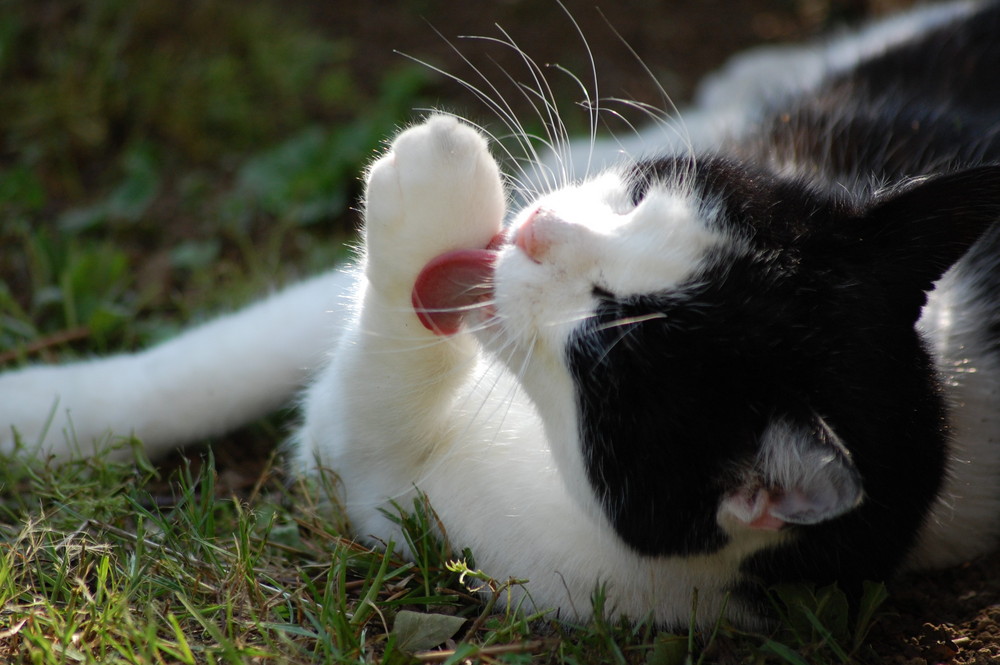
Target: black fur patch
813	311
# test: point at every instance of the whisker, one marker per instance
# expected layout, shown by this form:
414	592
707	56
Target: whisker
548	114
448	310
625	332
551	118
513	182
502	111
664	95
593	115
506	401
506	115
630	321
584	316
428	344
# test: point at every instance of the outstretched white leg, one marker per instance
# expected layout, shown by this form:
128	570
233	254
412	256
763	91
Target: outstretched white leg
204	382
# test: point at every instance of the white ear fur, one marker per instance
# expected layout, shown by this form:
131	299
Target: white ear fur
803	474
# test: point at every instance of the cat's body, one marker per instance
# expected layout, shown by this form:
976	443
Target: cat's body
700	370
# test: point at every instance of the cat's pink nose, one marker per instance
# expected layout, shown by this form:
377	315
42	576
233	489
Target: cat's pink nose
538	233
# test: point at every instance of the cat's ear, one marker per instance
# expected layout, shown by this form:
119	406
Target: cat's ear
911	237
803	474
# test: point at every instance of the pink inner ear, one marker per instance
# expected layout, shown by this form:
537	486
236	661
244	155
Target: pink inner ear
755	508
451	285
767	522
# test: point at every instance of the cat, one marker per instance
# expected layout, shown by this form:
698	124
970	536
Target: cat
761	346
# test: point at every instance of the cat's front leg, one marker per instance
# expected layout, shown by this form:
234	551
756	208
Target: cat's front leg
388	396
437	190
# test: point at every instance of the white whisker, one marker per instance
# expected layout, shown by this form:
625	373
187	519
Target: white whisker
593	109
551	118
684	134
630	321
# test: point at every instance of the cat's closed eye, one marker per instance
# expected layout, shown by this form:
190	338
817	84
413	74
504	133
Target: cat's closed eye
601	293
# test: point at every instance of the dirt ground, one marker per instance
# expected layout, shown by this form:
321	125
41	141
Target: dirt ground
946	617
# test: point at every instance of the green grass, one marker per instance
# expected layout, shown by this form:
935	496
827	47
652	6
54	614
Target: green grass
97	567
154	172
94	568
159	164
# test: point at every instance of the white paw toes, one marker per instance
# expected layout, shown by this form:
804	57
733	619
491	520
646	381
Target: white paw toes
438	189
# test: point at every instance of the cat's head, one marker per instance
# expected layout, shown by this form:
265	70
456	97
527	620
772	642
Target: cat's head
718	351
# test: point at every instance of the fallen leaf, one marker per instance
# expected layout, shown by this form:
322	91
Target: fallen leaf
416	631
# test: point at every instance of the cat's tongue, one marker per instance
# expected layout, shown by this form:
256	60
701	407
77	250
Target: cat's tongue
451	285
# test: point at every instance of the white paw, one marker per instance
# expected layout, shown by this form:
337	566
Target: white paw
438	189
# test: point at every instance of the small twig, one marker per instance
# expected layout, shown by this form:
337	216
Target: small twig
495	650
13	630
180	557
39	345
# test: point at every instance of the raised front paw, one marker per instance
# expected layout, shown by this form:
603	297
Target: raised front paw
437	190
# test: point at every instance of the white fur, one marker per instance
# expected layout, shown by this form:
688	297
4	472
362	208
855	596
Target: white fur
964	522
204	382
435	415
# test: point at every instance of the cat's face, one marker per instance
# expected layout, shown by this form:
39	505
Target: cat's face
657	330
702	341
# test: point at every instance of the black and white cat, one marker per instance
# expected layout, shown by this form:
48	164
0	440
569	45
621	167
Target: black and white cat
765	348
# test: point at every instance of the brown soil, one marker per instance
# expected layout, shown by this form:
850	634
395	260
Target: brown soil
946	617
949	616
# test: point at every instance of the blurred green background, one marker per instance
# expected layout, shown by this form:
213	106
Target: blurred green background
163	160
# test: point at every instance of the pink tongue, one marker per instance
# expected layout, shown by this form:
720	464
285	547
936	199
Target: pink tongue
450	285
